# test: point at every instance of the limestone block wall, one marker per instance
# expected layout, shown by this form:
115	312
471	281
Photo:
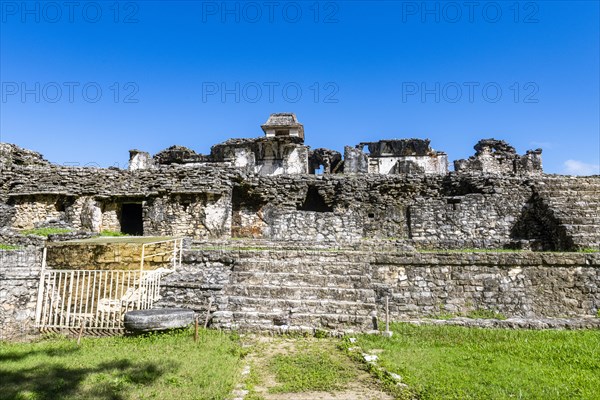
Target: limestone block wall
515	284
202	276
30	210
435	211
519	284
470	221
19	279
313	226
89	256
201	215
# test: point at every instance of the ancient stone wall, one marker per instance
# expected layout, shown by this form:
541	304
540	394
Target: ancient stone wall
514	284
19	280
313	226
199	215
258	289
451	211
254	287
101	256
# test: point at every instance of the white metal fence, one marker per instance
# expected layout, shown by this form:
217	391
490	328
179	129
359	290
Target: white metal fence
98	299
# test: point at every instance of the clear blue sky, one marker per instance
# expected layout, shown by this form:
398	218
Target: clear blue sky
196	73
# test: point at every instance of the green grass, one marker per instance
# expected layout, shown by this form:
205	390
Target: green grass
311	369
8	247
158	366
45	231
449	362
112	233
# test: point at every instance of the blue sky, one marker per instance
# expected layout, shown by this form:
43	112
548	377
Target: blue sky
85	82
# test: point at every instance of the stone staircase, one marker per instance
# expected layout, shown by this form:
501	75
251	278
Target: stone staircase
287	291
575	203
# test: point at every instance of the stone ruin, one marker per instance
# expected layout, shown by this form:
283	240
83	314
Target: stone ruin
275	187
340	232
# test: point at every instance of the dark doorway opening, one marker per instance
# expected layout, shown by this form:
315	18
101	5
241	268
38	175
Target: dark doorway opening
314	202
131	219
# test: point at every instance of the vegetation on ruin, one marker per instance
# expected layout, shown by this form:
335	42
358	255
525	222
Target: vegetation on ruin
450	362
153	366
112	233
45	231
8	247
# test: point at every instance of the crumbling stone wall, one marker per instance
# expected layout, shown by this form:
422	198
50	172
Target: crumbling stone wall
515	284
101	256
30	211
263	289
200	215
241	284
395	157
264	156
313	226
473	209
19	279
498	157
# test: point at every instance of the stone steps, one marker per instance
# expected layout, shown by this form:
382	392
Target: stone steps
271	321
302	293
290	279
283	291
299	306
300	267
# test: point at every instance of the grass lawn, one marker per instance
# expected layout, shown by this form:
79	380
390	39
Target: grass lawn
159	366
449	362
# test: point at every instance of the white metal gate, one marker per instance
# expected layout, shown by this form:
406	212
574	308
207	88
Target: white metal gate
98	299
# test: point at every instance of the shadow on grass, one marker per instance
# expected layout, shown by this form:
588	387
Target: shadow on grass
50	381
20	355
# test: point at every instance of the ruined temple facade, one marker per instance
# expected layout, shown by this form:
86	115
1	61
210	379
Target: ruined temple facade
322	240
277	188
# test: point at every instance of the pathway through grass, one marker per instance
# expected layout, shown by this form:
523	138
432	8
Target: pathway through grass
306	369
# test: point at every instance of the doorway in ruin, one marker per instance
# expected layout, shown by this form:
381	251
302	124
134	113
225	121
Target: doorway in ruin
132	222
314	201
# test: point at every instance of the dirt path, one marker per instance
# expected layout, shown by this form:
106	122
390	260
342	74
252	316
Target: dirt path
261	381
